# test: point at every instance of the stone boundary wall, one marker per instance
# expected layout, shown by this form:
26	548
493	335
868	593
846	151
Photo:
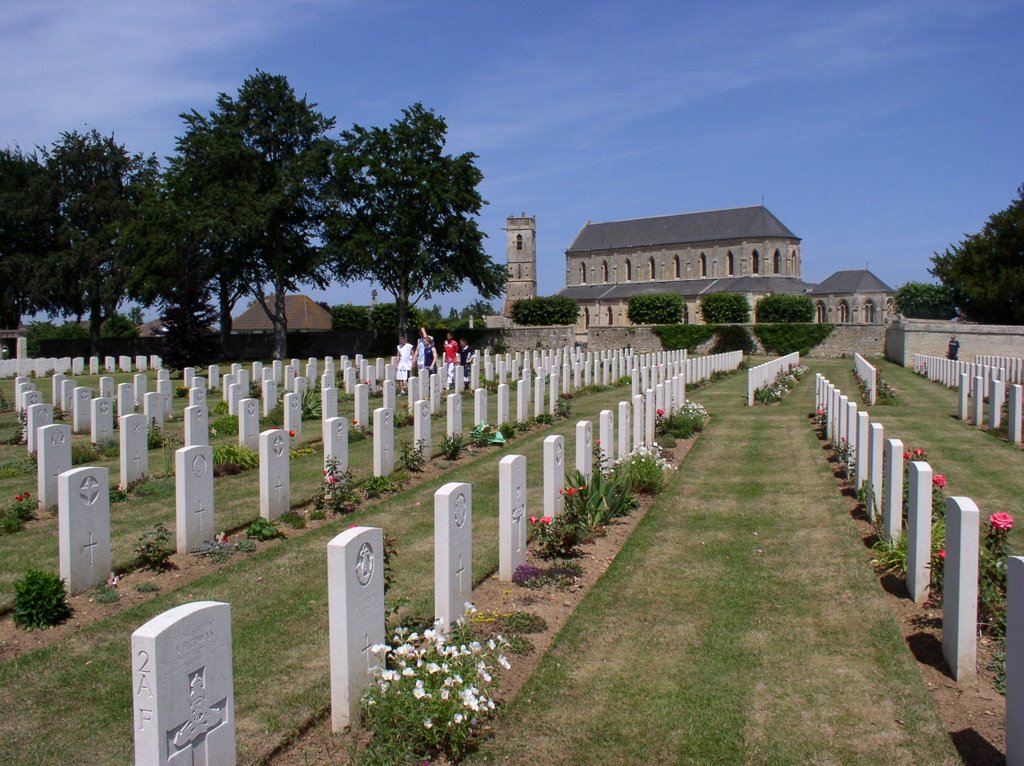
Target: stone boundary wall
910	336
640	338
531	338
848	339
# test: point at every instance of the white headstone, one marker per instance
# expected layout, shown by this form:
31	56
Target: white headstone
36	416
183	687
125	399
84	527
293	417
960	588
554	474
454	421
362	405
606	435
453	552
624	429
249	423
919	530
585	448
383	441
140	388
80	409
355	607
335	435
54	457
193	480
511	515
134	456
197	425
503	403
275	474
421	427
328	403
102	421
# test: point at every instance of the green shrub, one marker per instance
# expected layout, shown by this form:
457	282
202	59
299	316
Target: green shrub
15	468
154	435
552	310
293	519
263	530
725	308
83	452
312	407
508	430
594	502
563	406
105	594
787	338
40	600
155	549
411	458
643	471
785	308
655	308
335	493
147	587
349	317
452	446
684	422
559	537
679	336
236	454
922	300
375	486
384	320
224	425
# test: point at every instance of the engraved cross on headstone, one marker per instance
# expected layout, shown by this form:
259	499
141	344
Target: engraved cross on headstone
460	575
87	548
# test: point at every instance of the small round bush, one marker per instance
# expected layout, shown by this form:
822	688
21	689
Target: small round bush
40	600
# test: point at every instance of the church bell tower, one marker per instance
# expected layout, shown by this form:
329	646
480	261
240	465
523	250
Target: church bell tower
521	257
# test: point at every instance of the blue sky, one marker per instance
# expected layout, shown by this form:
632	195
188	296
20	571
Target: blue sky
879	132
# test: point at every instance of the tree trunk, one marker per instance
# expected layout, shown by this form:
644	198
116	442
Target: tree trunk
225	305
95	321
402	303
280	324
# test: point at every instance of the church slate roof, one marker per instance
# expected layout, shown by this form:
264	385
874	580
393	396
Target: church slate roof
709	226
852	281
767	284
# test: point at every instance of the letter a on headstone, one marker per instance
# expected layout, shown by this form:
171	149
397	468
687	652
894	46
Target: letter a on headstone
183	687
355	605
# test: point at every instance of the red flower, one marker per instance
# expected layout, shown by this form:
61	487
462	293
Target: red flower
545	519
355	422
939	480
661	411
906	456
942	554
919	452
571	491
19	498
533	519
597	442
1001	520
291	434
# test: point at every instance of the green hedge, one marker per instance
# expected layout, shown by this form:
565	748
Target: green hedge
655	308
554	309
732	337
725	308
785	308
675	337
787	338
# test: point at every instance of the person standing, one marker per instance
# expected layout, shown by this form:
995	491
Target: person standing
406	352
428	361
466	358
420	343
954	348
451	359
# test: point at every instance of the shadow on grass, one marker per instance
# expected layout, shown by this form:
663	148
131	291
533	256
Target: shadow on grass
976	750
895	585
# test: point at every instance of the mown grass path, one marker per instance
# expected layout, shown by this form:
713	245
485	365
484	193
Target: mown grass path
741	623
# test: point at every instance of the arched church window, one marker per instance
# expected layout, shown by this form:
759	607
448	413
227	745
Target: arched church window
604	271
869	312
844	312
819	312
629	271
755	262
730	264
586	317
609	316
650	266
703	265
676	265
583	273
777	263
519	241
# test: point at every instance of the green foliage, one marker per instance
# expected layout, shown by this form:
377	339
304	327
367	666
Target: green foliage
384	321
348	317
596	501
508	431
336	493
559	537
118	326
552	310
680	336
407	212
225	424
787	338
655	308
40	600
105	594
311	405
38	331
147	587
562	575
375	486
452	446
544	419
83	452
785	308
684	422
155	549
563	406
985	272
263	530
725	308
642	470
411	457
293	519
15	468
921	300
237	455
732	337
154	435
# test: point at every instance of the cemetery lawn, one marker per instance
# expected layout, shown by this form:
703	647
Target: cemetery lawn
741	623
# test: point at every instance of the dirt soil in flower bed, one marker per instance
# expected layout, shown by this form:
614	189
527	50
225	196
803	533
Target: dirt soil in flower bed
974	712
318	747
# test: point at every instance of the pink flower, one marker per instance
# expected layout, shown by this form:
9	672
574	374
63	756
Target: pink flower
1001	520
597	442
939	480
661	411
331	480
533	519
545	519
919	452
942	554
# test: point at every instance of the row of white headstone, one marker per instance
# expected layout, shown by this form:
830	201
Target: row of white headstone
765	374
192	709
868	375
873	458
43	366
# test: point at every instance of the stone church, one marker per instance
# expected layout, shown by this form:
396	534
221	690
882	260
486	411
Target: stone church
743	250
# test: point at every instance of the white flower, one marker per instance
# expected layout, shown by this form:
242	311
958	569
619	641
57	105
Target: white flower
419	692
444	694
428	724
378	649
433	667
503	661
458	718
407	672
470	609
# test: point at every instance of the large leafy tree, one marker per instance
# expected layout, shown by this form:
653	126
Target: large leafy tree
985	272
406	212
921	300
27	225
251	179
98	189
